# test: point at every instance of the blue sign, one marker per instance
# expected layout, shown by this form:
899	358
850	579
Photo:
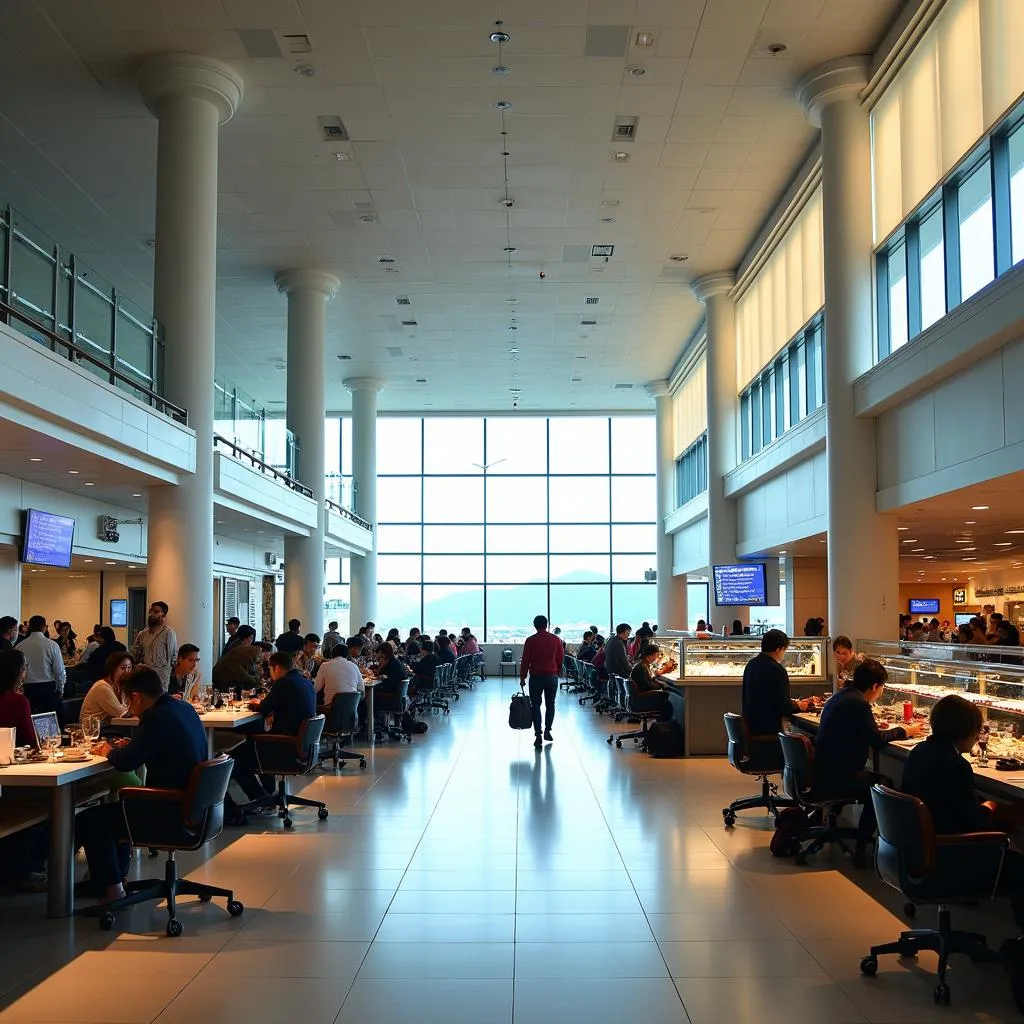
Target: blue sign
48	539
739	585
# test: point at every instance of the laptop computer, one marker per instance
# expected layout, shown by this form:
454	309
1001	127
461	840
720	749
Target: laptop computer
45	725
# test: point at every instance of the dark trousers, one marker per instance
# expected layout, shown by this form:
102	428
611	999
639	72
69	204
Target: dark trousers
246	769
101	830
653	700
44	697
545	686
858	788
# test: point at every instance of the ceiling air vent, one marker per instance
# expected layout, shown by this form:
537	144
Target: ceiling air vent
598	252
593	300
386	259
260	43
625	129
366	213
297	43
587	322
403	300
606	41
623	387
410	323
332	129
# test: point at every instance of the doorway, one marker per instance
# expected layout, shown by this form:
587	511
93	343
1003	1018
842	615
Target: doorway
138	606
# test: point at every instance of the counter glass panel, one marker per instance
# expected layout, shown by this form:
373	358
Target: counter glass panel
699	659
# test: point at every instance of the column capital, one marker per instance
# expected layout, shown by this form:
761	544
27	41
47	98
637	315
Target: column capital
719	283
307	280
173	75
363	384
840	79
657	388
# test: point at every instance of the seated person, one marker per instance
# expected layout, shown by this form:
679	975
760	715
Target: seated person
391	672
651	694
337	675
425	666
308	659
937	773
846	659
588	648
184	681
92	641
469	644
846	736
412	645
239	667
15	710
766	699
105	699
289	703
97	663
443	649
170	741
598	662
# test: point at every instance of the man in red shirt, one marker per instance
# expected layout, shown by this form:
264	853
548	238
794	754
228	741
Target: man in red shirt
542	661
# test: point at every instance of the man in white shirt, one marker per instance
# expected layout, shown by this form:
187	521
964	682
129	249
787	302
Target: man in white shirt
338	675
157	645
45	675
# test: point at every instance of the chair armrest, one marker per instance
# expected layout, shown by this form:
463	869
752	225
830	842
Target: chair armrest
272	739
769	738
152	793
1000	839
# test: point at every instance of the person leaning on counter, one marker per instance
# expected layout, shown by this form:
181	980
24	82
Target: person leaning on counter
766	699
846	736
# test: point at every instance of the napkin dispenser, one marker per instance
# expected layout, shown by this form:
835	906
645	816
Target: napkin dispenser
7	739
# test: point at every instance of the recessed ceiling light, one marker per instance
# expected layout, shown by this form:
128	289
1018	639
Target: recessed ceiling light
902	527
1008	532
220	522
969	549
979	508
73	472
970	522
680	257
783	551
962	542
86	559
637	70
912	540
89	483
1003	544
969	558
607	220
620	156
35	458
510	248
132	567
929	556
342	157
500	69
500	37
776	48
503	104
111	563
137	494
305	71
916	550
644	39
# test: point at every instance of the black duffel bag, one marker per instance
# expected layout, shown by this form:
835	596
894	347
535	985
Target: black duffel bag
520	712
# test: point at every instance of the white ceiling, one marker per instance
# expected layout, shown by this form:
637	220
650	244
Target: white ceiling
720	133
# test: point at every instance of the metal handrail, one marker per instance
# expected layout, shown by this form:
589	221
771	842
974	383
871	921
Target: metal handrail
346	513
244	455
77	354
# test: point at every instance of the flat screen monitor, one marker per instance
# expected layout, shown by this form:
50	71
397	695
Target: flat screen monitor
963	618
47	539
924	606
118	611
44	726
739	585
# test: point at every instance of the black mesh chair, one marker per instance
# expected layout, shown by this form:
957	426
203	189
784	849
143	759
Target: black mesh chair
341	726
938	871
285	757
822	813
174	820
428	693
628	690
759	756
390	707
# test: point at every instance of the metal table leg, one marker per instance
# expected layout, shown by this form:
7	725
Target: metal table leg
61	886
370	723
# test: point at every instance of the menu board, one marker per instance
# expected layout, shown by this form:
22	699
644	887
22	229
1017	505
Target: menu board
48	539
739	585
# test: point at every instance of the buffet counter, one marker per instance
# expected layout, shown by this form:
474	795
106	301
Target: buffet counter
706	680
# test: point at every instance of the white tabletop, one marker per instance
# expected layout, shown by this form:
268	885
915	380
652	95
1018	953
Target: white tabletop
225	718
53	773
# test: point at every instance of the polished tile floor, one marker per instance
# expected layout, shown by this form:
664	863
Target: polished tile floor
467	879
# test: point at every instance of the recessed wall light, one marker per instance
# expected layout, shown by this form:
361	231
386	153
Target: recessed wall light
979	508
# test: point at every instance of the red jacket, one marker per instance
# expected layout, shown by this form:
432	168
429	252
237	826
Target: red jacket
542	655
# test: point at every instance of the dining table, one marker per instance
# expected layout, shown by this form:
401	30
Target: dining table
59	777
217	719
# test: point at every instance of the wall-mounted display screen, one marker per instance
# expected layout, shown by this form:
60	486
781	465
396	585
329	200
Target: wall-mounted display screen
963	618
47	539
118	611
742	584
924	606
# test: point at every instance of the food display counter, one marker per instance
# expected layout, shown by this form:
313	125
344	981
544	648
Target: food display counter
921	674
706	680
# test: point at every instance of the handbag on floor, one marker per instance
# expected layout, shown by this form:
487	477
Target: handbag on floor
665	739
520	712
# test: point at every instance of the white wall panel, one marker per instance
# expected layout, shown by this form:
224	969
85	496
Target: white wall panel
690	548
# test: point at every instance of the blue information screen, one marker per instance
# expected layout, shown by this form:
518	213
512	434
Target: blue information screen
740	584
924	606
118	611
48	539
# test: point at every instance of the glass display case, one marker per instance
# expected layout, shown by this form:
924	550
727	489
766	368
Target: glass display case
725	659
921	674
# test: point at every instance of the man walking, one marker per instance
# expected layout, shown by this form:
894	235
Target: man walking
157	644
542	661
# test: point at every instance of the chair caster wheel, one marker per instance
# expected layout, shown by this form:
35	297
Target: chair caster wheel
618	744
106	921
174	928
340	764
362	763
205	898
869	966
235	908
288	823
941	994
322	813
729	818
910	910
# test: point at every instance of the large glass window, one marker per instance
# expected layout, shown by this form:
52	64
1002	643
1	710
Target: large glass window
899	325
488	522
933	268
977	239
1015	145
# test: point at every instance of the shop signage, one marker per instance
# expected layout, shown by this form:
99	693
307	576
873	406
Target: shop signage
960	596
999	591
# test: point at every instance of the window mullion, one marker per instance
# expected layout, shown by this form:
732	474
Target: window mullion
951	243
1002	221
882	303
913	249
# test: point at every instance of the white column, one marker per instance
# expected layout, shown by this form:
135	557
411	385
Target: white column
714	290
308	293
363	600
863	547
191	97
671	591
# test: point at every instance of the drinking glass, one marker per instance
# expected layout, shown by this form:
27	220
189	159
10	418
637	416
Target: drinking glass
52	744
77	734
91	728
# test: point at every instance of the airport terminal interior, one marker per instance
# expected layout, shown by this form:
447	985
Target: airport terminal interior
511	512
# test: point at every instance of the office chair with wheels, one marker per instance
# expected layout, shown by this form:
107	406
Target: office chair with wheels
760	756
938	871
285	757
628	689
174	820
428	693
342	723
391	707
820	825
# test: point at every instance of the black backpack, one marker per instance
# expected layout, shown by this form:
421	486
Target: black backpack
665	739
414	725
